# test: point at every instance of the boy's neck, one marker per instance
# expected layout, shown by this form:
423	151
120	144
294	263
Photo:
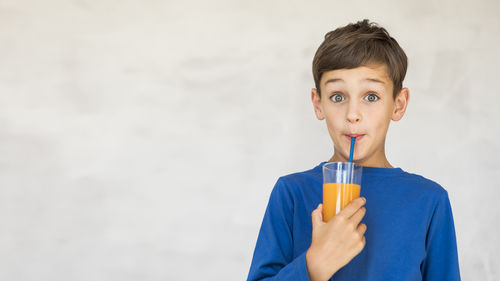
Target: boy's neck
376	163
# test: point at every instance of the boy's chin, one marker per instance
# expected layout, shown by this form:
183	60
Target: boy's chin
345	158
357	159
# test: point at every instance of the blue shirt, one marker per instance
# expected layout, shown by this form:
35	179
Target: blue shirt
410	231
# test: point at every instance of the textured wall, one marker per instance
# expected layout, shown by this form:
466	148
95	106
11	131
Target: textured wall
139	140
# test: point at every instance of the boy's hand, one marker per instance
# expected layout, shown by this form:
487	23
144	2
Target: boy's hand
336	242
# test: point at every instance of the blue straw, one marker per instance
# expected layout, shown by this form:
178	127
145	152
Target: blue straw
353	140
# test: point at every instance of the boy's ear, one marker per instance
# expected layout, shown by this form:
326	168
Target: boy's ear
316	100
400	104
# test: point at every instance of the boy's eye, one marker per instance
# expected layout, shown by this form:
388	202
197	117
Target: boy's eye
337	98
371	97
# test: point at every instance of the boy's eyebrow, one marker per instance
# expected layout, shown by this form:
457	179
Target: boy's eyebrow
334	80
375	80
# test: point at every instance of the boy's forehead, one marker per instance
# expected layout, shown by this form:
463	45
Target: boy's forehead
376	73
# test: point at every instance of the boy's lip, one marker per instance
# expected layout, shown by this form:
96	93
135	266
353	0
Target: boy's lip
357	136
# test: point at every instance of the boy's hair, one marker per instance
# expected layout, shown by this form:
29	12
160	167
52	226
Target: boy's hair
360	44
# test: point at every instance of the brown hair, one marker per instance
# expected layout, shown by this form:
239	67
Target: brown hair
358	44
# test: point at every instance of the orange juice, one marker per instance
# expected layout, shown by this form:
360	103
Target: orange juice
336	196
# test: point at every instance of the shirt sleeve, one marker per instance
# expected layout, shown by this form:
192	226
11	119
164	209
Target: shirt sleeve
273	255
441	261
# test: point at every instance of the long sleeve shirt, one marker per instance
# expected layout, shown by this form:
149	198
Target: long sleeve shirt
410	231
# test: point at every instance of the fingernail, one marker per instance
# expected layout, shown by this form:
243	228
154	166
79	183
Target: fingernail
364	199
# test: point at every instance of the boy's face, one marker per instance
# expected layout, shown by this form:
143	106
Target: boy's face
359	102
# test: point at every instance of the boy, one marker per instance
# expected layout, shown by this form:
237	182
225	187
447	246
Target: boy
407	231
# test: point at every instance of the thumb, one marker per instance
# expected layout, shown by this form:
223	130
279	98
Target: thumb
317	215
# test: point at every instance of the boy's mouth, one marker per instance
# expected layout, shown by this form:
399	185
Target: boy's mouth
357	136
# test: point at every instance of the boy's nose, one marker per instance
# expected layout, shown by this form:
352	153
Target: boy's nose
353	114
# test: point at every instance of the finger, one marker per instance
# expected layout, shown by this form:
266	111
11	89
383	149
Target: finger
361	229
317	216
363	243
358	216
354	206
359	246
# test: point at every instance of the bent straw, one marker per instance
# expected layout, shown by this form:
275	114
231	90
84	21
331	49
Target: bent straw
353	140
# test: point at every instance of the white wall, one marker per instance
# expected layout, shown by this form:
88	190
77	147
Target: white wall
139	140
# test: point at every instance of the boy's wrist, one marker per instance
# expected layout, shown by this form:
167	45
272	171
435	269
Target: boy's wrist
315	268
